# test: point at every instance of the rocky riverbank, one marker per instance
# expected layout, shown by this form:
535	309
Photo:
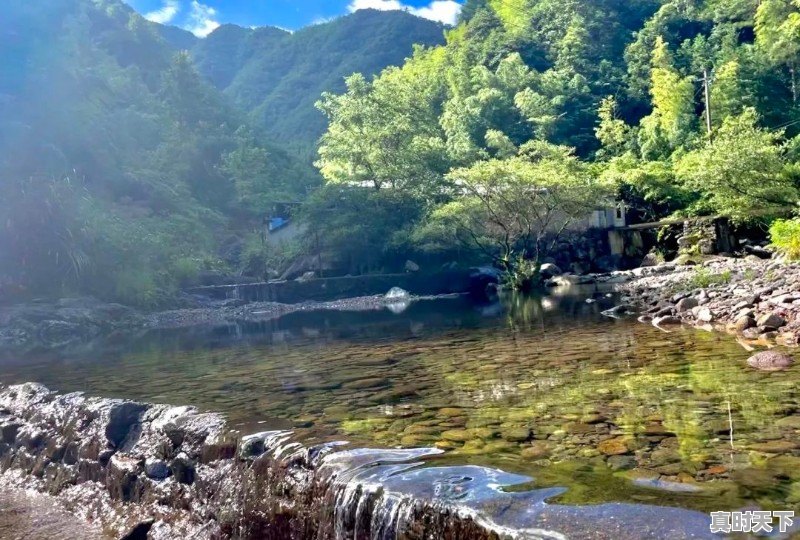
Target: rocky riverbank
755	299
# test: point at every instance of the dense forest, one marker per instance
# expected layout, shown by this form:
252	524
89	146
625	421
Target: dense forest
125	171
134	156
535	108
276	76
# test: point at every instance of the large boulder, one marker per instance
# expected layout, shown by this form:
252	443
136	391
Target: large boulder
651	259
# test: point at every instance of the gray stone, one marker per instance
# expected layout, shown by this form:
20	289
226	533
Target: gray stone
686	304
156	469
649	260
663	312
703	314
621	463
773	320
183	469
743	323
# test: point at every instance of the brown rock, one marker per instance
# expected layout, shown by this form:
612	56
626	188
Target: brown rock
743	323
538	450
614	447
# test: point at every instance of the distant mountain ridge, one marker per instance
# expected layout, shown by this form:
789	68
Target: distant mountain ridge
276	76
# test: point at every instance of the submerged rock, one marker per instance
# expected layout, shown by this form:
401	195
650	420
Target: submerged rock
770	360
666	320
614	447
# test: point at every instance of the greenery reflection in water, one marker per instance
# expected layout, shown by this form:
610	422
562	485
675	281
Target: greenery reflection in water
612	409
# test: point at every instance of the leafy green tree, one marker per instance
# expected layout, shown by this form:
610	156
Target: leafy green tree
374	138
360	229
742	172
514	210
614	134
673	118
777	28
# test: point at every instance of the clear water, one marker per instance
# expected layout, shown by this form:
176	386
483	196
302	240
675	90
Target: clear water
610	409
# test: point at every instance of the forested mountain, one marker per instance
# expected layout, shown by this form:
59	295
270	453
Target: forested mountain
117	162
586	100
277	76
124	171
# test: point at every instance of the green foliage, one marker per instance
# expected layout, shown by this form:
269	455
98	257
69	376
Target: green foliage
266	259
673	119
364	229
619	82
742	173
277	76
513	210
116	158
703	278
124	164
785	236
613	133
377	138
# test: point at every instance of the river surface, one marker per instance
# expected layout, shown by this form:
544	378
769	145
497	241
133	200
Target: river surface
610	410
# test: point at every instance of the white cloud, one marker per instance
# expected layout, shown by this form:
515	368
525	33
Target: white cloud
445	11
165	14
202	19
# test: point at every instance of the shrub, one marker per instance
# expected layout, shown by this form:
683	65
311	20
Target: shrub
785	236
703	278
186	270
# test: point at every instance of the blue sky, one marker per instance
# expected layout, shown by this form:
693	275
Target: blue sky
202	16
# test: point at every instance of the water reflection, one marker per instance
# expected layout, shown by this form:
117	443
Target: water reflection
548	387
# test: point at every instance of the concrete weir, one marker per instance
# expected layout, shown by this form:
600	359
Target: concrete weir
336	288
134	470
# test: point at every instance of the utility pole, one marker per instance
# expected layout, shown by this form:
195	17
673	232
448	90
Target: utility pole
707	92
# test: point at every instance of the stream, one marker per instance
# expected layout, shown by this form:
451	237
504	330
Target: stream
589	420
